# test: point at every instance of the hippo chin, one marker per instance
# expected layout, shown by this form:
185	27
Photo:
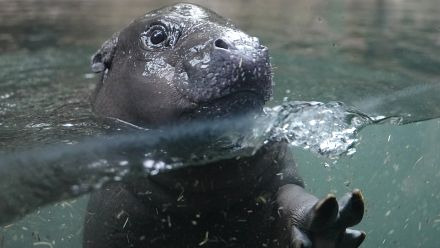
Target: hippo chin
183	63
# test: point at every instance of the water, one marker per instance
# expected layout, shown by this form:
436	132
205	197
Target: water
379	56
64	171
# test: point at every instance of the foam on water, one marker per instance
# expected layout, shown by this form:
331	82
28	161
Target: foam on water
328	129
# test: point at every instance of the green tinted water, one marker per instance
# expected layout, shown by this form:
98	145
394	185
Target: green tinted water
381	56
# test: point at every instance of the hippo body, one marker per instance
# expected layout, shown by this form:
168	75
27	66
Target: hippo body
183	63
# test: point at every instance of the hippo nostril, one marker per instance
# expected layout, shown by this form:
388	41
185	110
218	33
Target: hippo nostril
221	44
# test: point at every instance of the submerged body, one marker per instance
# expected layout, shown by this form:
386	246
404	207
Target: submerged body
184	63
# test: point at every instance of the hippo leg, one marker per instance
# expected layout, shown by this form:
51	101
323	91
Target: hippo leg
306	221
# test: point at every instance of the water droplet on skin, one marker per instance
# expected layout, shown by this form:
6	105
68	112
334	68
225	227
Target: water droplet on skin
123	163
6	96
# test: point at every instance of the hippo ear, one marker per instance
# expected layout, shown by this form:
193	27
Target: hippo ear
102	59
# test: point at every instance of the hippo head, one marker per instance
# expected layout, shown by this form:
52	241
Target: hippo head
180	62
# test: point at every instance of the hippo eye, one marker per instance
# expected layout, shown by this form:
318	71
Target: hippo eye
155	37
158	36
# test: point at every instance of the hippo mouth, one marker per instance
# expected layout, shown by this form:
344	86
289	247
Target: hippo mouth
233	104
213	84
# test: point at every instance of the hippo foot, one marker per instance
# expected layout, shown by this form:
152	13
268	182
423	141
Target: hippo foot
309	222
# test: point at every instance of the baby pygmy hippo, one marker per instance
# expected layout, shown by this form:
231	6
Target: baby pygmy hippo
183	63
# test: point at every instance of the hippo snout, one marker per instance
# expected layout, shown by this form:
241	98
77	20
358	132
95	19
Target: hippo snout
227	65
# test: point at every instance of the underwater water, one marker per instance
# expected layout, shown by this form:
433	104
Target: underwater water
382	57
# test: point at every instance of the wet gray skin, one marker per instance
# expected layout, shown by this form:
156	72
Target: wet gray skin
182	63
177	62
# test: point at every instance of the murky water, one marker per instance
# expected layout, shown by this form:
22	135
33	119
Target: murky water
379	56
